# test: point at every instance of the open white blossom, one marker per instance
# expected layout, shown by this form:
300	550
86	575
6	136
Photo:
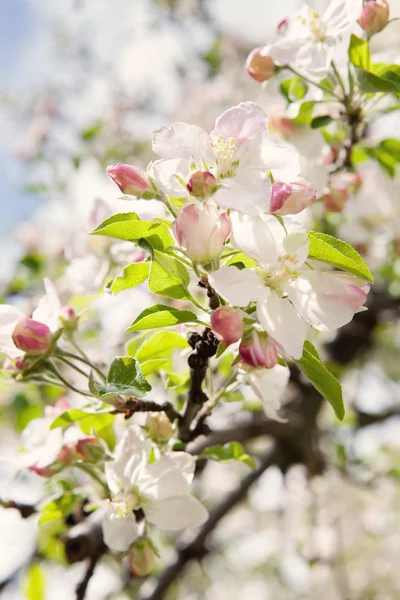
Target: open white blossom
160	488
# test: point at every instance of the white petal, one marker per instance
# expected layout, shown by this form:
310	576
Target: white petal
282	160
249	192
9	315
246	122
185	463
269	385
48	310
163	172
119	533
340	15
253	236
181	140
313	60
283	323
297	245
238	287
130	452
163	478
176	513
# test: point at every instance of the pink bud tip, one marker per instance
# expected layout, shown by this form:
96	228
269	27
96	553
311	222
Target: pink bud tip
291	198
141	558
90	449
374	16
47	472
129	179
258	350
68	313
227	324
282	26
31	336
201	184
260	66
159	427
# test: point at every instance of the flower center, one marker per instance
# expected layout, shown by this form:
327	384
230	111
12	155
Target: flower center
125	503
225	151
310	19
286	271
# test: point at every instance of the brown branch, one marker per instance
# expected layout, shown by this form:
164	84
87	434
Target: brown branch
196	549
134	405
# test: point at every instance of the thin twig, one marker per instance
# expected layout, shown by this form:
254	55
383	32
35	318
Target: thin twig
83	585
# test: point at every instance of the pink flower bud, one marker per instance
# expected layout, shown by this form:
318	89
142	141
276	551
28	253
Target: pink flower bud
201	232
90	449
258	350
159	427
227	324
201	184
47	472
291	198
374	16
259	65
282	26
335	199
31	336
282	125
142	558
130	180
69	319
66	456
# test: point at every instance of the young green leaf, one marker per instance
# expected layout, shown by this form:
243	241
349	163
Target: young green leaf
168	277
124	377
88	421
129	227
321	121
322	379
359	54
228	453
161	345
35	583
162	316
294	89
369	83
131	276
328	249
59	507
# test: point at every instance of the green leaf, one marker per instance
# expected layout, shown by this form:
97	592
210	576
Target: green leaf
369	83
131	276
87	421
124	377
359	54
305	113
228	453
35	583
385	159
321	121
160	315
161	345
338	253
168	277
392	146
155	364
294	89
91	132
322	379
129	227
59	508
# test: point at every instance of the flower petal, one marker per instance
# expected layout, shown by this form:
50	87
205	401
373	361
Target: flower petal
282	160
119	532
246	122
181	140
9	316
252	235
163	173
238	287
176	513
48	309
283	323
269	385
163	478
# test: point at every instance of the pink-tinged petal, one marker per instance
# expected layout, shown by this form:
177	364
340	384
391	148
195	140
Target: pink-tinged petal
283	323
253	236
259	65
129	179
327	300
119	533
9	316
238	287
32	337
246	123
176	513
290	199
227	324
374	16
181	140
258	350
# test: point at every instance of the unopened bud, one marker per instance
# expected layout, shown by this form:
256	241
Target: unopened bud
129	179
291	198
47	471
259	65
201	184
90	449
31	336
374	16
66	456
142	558
282	26
201	231
227	324
159	427
69	319
335	199
258	350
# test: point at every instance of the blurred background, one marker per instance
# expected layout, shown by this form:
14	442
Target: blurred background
82	85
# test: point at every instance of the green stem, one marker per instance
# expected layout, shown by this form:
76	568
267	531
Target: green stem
318	85
66	383
212	403
82	359
169	206
341	83
194	301
90	471
71	364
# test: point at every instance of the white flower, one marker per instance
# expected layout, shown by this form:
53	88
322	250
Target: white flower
269	385
310	38
159	488
290	296
237	153
47	312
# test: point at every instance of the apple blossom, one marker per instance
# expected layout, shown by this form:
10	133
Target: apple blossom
159	427
259	65
227	324
374	16
201	184
237	153
290	296
308	39
44	318
291	198
201	231
129	179
159	488
269	385
258	350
